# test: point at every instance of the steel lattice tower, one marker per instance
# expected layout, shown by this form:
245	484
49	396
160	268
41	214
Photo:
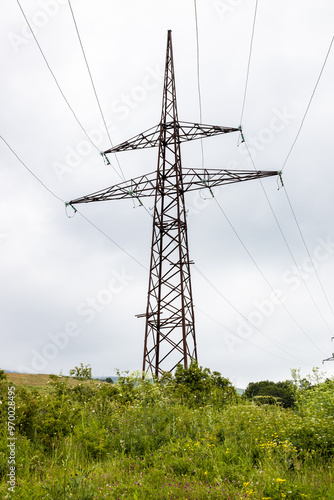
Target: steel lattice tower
170	327
169	315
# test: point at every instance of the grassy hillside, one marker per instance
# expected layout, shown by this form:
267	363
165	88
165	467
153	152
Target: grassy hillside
189	436
41	380
28	380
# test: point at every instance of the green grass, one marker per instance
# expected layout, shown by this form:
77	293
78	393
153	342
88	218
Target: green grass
138	440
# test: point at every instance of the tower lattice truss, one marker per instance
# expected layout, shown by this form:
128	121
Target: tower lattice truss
170	326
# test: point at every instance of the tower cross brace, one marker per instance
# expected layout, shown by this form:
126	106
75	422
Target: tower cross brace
170	326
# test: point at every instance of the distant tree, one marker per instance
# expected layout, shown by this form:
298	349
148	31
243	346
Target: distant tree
81	372
281	392
313	379
109	380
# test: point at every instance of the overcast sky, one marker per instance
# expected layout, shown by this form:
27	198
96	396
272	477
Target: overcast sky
70	295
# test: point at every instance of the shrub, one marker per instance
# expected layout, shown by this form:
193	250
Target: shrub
272	393
81	372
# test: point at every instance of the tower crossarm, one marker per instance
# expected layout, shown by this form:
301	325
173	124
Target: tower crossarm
142	186
193	179
190	131
170	337
147	139
187	131
199	178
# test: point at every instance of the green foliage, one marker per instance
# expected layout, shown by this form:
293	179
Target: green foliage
318	401
313	379
197	386
3	376
81	372
268	392
153	439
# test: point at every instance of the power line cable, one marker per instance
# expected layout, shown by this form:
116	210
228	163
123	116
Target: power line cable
110	239
309	103
248	65
64	97
308	252
244	317
94	88
77	211
198	59
242	112
55	79
294	215
30	171
264	277
239	336
284	164
198	78
243	106
289	249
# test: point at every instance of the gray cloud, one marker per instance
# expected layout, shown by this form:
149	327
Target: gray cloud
58	273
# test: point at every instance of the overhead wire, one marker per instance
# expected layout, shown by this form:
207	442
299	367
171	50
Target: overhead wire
94	88
110	239
276	343
242	112
199	79
284	164
289	249
240	337
265	278
121	174
248	64
55	79
309	103
308	253
76	210
30	171
102	114
263	188
64	97
290	204
125	251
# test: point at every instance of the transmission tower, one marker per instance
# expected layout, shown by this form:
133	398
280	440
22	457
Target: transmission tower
331	358
170	327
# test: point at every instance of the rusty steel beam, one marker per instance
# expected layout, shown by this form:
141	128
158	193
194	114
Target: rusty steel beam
170	324
187	131
193	179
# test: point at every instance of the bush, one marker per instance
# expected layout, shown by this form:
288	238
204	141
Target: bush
197	386
268	392
182	436
81	372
